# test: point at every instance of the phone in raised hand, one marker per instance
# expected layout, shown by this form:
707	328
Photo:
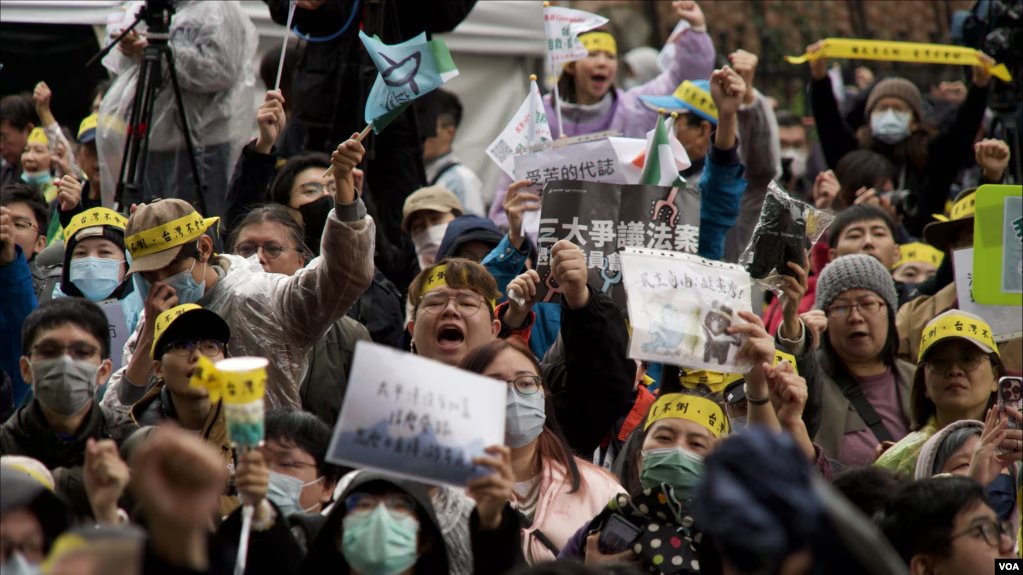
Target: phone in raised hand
1010	394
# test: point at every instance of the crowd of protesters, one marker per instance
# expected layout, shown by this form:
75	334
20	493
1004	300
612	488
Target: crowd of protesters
866	438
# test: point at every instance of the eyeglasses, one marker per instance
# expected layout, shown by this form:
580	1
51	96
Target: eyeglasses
992	531
366	503
867	307
317	188
467	303
77	350
24	224
284	460
968	362
271	250
527	384
185	347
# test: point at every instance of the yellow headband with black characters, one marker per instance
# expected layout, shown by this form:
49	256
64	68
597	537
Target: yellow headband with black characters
966	207
699	410
437	278
919	252
599	42
697	97
164	237
92	218
38	136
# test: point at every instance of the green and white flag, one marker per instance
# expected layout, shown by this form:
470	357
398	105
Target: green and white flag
664	157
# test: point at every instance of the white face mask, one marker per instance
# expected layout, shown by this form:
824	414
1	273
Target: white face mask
889	126
797	161
427	242
17	565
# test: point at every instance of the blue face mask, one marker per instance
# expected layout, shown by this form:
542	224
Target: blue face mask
37	179
285	492
890	127
380	542
524	418
185	286
96	278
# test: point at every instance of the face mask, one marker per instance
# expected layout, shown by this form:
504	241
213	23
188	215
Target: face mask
380	542
427	243
185	286
285	492
36	178
795	159
63	385
737	423
890	127
524	418
18	565
314	216
96	278
678	467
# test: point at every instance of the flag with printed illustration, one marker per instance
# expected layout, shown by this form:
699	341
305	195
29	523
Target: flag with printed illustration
527	128
664	156
562	27
407	71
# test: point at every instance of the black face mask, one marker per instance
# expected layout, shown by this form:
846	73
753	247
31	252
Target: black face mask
314	214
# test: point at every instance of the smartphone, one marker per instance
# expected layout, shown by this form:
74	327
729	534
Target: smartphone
1010	394
617	535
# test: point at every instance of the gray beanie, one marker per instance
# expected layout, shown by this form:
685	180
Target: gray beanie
855	271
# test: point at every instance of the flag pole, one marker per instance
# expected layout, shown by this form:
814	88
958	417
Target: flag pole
362	135
557	95
531	125
284	44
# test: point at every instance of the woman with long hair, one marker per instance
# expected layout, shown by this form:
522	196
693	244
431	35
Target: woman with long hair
555	491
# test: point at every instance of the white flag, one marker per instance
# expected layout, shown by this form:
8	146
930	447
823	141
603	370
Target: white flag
562	27
527	127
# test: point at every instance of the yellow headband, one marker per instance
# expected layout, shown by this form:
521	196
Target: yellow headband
919	252
165	319
238	380
966	207
599	41
437	278
166	236
956	324
92	218
696	97
691	408
38	136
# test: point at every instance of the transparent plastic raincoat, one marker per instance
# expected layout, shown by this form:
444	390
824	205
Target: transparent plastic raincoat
276	316
213	45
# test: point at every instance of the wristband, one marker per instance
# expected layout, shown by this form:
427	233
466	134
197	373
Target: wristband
753	401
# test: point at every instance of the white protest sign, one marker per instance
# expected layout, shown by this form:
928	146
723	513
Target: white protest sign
562	27
680	306
118	326
418	418
527	127
1003	319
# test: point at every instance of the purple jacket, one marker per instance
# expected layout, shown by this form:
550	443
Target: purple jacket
694	61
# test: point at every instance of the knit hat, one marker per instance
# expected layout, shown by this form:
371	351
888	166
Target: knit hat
900	88
929	452
855	271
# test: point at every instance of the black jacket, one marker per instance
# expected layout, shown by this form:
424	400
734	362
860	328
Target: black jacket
948	152
28	433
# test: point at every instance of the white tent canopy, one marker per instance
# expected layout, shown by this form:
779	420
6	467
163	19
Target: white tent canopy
499	42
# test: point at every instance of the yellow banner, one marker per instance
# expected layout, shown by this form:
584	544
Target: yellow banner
699	410
173	233
913	52
92	218
237	380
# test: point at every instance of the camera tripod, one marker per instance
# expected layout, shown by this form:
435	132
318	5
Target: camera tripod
157	15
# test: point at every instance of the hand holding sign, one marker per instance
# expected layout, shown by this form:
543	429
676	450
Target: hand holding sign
568	264
519	199
492	492
757	349
818	66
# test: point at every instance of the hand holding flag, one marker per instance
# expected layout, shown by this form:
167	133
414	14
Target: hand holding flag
527	128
